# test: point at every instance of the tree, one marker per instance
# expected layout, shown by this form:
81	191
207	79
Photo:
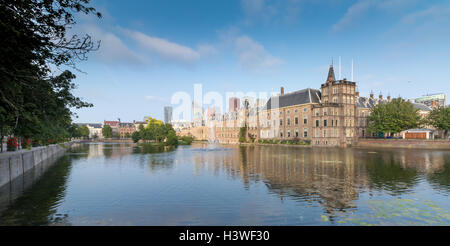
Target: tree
127	135
74	131
34	101
146	134
172	138
84	131
107	131
242	133
393	117
440	118
95	136
155	130
186	140
136	136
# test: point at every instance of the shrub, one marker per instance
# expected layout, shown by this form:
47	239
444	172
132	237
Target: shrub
26	143
11	144
186	140
35	143
172	139
136	137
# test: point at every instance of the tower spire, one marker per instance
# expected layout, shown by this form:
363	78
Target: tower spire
331	77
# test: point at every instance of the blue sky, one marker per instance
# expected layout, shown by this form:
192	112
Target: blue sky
152	49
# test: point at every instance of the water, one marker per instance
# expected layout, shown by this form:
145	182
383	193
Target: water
118	184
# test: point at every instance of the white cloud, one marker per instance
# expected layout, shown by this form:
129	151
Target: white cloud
253	7
165	49
356	11
112	49
269	11
353	13
253	56
207	50
435	12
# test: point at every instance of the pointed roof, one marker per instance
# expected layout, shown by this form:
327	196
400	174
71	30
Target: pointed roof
331	76
294	98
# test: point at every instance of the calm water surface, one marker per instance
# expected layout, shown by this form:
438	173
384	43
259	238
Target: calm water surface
119	184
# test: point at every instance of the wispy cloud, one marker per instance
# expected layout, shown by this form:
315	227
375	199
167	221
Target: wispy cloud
207	50
253	56
165	49
269	11
360	9
112	49
353	13
435	13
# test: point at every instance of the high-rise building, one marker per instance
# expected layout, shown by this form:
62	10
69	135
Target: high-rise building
432	100
233	104
167	114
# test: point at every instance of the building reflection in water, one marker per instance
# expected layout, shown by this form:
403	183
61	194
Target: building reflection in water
331	177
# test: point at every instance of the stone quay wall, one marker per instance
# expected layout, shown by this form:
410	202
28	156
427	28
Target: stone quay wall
404	143
17	163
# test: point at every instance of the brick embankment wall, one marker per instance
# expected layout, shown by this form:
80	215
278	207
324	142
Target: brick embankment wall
404	143
17	163
109	140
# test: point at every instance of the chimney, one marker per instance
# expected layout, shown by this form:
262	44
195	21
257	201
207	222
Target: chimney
435	104
371	95
282	90
389	98
357	93
381	97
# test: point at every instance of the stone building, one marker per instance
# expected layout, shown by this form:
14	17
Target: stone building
126	129
335	115
95	130
115	125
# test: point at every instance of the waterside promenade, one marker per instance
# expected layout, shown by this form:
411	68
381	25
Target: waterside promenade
17	163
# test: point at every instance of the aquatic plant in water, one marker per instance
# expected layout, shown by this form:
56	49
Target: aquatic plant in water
403	212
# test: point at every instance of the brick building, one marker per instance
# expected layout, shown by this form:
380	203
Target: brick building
126	128
335	115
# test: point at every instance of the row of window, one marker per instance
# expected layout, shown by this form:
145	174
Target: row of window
288	121
346	89
296	133
325	123
334	133
295	111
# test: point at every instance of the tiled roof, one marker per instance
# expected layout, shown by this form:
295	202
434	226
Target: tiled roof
296	98
421	106
95	125
368	102
112	123
127	125
331	74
